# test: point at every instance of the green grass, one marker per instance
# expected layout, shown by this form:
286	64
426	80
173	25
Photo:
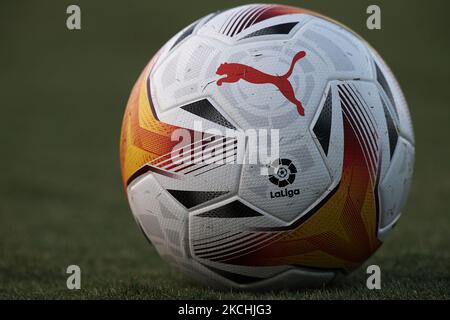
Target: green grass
61	200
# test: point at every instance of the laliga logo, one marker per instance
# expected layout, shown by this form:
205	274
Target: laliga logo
282	173
234	72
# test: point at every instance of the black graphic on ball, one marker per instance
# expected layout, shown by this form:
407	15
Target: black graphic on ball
282	172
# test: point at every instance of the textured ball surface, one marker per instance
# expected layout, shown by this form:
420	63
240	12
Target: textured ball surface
346	149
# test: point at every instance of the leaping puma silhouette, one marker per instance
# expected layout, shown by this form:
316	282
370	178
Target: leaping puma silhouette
234	72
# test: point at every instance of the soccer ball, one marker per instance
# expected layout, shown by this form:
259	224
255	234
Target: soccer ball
266	147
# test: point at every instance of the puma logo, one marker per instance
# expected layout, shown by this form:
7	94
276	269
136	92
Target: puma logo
234	72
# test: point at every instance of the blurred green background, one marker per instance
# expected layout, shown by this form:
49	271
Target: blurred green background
62	95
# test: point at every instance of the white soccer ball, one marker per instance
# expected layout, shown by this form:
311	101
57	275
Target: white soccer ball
329	105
